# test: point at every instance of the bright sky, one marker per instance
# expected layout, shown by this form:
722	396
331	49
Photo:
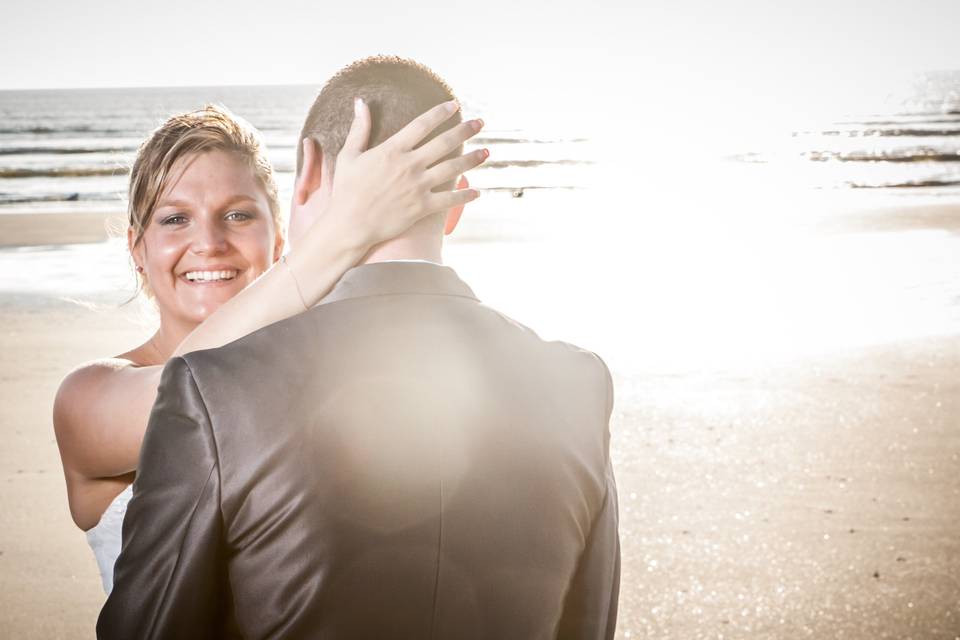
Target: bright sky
682	59
523	43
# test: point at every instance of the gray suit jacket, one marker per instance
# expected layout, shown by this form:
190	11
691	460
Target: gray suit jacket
398	462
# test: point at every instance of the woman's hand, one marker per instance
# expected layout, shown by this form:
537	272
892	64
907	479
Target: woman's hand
380	192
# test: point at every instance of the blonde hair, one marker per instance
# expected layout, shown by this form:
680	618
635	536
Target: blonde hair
212	128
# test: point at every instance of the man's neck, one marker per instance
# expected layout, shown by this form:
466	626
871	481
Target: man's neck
405	249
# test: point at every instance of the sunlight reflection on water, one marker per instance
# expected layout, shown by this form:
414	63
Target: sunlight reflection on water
651	276
682	285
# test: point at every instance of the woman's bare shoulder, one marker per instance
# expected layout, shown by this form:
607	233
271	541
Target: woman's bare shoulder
80	388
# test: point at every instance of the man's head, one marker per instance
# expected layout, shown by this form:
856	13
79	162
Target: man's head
396	90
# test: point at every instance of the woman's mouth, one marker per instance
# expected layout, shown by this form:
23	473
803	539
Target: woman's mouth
210	277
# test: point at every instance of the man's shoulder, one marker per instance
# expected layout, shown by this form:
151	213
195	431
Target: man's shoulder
258	344
331	324
559	348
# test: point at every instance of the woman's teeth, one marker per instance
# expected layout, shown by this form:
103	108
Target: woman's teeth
208	276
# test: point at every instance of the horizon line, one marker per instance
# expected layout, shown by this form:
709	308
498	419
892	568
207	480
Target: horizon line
159	86
204	85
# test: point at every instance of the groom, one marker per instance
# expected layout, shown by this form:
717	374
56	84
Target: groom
400	461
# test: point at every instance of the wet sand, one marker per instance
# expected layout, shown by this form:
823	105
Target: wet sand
818	499
25	228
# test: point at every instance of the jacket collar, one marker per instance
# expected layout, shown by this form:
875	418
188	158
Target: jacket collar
392	278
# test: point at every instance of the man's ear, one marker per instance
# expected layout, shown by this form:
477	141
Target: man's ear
453	216
311	172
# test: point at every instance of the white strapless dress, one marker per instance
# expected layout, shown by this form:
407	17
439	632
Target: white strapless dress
104	538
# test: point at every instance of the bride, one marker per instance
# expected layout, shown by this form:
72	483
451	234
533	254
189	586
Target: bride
206	239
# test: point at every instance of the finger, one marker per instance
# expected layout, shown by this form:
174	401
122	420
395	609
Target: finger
421	126
450	169
447	141
446	200
359	134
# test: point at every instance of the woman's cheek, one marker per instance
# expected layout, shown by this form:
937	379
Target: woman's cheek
261	242
160	255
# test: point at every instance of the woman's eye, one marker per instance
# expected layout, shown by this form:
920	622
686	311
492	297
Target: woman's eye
239	215
174	219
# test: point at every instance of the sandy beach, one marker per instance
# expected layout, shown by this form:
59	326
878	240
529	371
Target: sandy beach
27	228
817	497
49	582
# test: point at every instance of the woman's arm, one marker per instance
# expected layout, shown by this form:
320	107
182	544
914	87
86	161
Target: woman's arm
99	416
101	409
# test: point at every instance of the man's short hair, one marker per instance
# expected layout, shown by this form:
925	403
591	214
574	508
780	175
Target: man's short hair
396	89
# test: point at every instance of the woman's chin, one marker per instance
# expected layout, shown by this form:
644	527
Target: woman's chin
201	305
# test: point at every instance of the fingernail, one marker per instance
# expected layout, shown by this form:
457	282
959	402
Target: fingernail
477	124
486	153
452	106
357	105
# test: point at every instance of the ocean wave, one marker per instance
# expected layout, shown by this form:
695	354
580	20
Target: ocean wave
64	172
517	192
886	133
503	164
929	113
492	140
882	123
907	185
912	155
19	198
16	151
751	157
912	132
497	140
83	128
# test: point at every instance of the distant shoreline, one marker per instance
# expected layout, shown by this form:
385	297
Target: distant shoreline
908	217
21	228
37	227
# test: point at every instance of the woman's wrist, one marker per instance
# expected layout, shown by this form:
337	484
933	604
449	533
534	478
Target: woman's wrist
349	221
296	284
329	248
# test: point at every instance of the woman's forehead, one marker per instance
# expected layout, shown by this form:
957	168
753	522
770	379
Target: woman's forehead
211	176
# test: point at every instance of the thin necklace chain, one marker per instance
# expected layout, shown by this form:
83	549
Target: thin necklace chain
156	349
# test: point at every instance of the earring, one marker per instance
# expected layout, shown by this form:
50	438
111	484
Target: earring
139	269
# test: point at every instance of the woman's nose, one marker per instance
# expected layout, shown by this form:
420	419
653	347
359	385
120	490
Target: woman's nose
209	239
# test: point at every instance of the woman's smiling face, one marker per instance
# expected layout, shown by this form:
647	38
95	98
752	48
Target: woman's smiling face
210	236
